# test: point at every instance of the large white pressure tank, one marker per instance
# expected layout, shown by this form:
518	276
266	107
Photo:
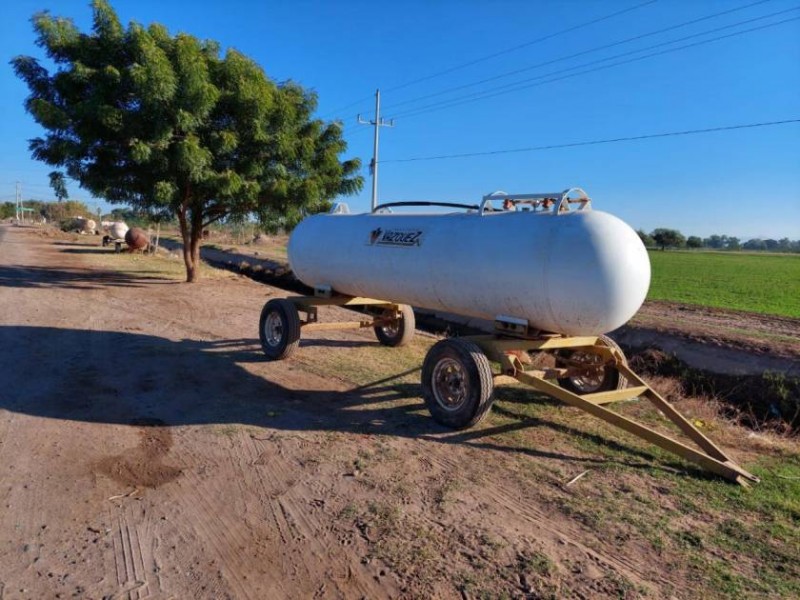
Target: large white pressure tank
117	230
582	272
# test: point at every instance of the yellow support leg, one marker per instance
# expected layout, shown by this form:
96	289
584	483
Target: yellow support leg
713	460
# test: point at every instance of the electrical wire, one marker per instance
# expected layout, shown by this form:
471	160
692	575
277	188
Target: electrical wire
495	54
577	54
510	88
595	142
525	45
358	102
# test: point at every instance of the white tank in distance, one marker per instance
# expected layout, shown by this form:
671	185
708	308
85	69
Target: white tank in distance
80	225
117	230
581	272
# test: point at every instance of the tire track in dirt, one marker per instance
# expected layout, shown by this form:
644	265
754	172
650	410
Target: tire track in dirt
313	552
561	532
567	534
214	535
133	547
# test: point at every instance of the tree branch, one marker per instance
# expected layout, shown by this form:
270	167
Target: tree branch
214	220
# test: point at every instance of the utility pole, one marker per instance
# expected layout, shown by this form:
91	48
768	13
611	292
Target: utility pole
377	123
18	213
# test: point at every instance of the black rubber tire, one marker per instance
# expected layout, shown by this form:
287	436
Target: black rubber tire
612	380
476	374
287	329
389	335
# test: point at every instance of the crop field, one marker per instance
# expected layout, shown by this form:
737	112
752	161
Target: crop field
763	283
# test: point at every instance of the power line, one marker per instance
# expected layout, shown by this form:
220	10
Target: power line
358	102
507	89
525	45
597	142
582	53
495	54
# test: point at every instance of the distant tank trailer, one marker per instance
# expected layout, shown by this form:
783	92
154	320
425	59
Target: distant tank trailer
116	231
137	239
551	273
80	225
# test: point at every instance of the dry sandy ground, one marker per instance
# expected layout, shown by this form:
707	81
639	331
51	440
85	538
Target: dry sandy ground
148	451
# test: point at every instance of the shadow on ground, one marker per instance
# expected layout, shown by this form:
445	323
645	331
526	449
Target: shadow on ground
94	250
127	378
64	277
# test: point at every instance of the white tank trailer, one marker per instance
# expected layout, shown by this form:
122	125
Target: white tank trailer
117	230
81	225
577	272
553	275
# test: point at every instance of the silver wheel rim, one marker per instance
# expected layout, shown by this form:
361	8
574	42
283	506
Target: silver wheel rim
391	330
592	380
273	329
449	384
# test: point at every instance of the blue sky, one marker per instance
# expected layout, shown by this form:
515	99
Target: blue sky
742	183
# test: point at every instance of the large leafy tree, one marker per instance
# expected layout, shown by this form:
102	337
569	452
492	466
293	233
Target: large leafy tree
170	125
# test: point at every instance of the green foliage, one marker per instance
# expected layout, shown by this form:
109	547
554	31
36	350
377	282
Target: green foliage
169	125
646	238
767	283
59	185
694	242
52	211
56	212
668	238
717	242
763	523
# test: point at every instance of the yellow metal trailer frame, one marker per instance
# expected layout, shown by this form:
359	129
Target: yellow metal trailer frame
510	351
309	304
504	350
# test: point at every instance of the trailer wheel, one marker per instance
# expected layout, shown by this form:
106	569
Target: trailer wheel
457	383
400	331
601	379
279	329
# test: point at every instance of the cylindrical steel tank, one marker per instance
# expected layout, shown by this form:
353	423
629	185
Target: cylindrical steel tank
583	272
136	239
117	230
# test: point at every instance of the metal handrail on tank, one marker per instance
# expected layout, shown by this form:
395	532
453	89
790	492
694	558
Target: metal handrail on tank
560	200
390	205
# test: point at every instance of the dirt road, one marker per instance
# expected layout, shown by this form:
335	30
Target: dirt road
148	451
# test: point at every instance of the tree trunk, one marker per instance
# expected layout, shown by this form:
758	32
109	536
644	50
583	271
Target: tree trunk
191	265
190	217
194	251
195	237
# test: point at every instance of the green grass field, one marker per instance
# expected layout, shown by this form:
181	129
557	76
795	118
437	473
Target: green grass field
762	283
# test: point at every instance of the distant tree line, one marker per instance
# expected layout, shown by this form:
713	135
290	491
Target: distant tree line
59	212
52	211
664	238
